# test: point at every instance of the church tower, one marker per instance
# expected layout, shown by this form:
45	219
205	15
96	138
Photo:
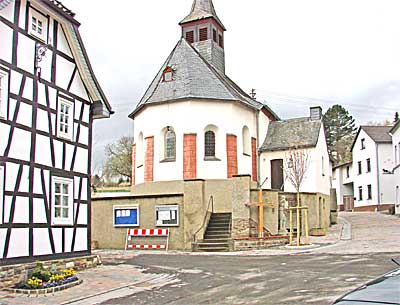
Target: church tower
205	32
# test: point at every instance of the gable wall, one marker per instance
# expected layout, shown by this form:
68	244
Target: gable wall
31	148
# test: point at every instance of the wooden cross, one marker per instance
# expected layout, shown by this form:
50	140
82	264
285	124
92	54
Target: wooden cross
260	204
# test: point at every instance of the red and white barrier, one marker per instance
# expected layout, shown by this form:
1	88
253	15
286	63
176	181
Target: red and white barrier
131	233
148	232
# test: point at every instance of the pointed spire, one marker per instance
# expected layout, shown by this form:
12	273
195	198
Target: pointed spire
202	9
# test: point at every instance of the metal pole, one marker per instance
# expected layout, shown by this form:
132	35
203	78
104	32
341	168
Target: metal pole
291	227
306	215
298	220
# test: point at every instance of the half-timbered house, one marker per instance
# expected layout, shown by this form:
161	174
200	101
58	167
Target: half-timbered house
49	97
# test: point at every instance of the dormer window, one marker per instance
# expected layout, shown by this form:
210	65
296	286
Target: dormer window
168	75
37	25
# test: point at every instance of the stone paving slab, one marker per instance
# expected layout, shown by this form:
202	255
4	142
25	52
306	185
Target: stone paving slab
99	284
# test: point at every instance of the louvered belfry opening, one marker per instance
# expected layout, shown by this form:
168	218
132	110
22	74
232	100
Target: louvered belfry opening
190	37
203	33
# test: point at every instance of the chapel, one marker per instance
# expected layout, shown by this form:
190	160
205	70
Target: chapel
194	122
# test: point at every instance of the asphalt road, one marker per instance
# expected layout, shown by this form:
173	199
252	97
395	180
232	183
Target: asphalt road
278	280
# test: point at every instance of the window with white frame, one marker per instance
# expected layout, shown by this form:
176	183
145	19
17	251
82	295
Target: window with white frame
65	119
246	141
1	192
167	215
37	24
63	200
3	92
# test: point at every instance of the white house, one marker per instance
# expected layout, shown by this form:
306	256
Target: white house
372	165
303	133
49	97
395	133
194	122
342	182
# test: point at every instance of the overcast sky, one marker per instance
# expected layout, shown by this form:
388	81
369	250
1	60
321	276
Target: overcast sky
296	54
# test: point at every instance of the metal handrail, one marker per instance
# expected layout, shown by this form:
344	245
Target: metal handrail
210	202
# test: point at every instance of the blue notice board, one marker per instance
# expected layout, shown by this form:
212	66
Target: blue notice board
126	216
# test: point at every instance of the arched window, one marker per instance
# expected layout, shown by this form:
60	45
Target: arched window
246	141
169	144
209	144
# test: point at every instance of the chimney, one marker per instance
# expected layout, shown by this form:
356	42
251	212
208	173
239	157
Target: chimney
315	113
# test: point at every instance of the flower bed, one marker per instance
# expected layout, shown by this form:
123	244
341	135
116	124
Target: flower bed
44	281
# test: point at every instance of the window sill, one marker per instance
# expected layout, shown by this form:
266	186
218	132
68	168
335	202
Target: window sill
38	37
211	159
168	161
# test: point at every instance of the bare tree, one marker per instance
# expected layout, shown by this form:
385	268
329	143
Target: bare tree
296	165
119	158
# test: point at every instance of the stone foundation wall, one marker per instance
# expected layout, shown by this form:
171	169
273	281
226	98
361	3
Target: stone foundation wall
241	227
373	208
11	275
259	243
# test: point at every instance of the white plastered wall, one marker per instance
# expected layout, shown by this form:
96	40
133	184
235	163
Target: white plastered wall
314	180
193	117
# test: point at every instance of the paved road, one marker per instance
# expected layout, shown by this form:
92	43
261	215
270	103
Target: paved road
277	280
346	258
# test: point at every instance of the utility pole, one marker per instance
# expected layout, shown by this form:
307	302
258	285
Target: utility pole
253	93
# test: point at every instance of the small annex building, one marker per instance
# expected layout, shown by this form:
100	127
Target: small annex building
203	147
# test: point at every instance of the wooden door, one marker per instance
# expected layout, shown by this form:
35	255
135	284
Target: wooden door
348	203
277	174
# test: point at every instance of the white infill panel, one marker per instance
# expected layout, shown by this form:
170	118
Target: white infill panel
62	44
3	233
68	239
20	149
42	122
81	240
57	236
21	212
25	115
39	211
41	242
24	183
83	214
19	243
16	79
6	35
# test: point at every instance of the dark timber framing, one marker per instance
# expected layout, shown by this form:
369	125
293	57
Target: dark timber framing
31	165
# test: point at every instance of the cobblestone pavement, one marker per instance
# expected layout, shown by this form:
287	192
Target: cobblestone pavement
159	278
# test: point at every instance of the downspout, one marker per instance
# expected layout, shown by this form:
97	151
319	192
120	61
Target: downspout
378	180
257	148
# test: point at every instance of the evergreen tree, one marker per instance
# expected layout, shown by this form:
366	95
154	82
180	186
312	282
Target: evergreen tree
340	130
